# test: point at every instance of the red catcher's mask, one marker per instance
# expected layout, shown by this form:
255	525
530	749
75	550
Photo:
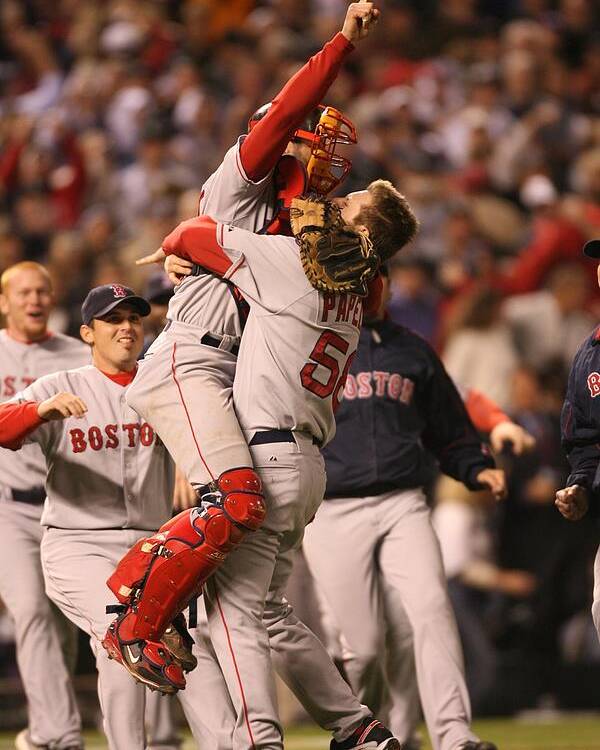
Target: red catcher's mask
326	169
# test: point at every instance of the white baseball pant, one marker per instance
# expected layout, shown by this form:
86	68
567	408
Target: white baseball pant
39	628
377	560
248	591
184	390
76	565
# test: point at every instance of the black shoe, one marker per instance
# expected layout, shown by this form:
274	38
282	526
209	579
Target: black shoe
479	745
370	735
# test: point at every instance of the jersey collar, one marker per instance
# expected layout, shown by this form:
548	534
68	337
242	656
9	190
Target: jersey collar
121	378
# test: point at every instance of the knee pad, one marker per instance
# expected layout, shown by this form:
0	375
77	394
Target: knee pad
160	574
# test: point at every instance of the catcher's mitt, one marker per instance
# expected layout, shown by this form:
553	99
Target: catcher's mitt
335	257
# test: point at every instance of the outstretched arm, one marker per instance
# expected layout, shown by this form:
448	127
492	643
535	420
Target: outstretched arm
268	139
19	419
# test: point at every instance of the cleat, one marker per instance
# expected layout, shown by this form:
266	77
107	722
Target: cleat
478	745
179	644
370	735
148	662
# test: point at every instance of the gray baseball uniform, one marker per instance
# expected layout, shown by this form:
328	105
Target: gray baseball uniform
109	481
293	361
184	390
53	714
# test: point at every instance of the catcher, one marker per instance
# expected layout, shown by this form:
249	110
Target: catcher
299	339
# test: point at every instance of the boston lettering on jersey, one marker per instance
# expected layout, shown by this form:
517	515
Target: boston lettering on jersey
110	436
379	383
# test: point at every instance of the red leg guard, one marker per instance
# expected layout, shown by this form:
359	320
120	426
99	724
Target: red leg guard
161	573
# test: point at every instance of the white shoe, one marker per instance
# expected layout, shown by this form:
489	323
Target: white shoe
23	742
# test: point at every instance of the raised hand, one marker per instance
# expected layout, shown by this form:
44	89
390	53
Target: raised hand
360	20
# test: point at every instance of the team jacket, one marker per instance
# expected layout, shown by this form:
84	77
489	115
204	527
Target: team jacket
399	404
580	419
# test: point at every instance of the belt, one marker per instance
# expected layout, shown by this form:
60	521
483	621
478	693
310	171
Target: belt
33	496
209	340
276	436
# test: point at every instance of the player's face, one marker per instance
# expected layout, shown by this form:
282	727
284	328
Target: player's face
352	204
26	303
117	339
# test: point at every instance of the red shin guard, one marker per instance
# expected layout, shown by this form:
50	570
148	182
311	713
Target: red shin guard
160	574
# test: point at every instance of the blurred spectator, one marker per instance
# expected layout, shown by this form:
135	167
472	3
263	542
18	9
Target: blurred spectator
414	298
551	323
480	353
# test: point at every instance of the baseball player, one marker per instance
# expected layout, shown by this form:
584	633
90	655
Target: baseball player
28	351
372	548
296	350
184	384
108	482
580	426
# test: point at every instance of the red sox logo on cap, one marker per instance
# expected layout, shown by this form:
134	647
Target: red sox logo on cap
593	382
118	290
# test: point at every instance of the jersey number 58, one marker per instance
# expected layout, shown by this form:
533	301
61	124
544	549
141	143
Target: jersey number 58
319	356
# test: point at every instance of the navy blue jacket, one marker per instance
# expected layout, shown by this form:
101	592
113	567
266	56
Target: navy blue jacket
580	419
399	406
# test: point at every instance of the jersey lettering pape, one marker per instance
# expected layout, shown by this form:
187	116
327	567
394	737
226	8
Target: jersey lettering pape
228	195
20	365
298	343
106	470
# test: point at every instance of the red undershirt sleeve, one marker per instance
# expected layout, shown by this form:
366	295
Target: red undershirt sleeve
196	240
17	421
266	142
485	413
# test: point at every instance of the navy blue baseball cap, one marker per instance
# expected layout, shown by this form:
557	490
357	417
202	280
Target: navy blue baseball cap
592	249
102	299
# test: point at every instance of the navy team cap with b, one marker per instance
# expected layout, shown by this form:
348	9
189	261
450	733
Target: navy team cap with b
592	249
102	299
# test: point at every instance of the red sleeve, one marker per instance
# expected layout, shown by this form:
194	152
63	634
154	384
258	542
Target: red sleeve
372	301
9	162
485	413
196	240
16	422
69	194
553	242
267	140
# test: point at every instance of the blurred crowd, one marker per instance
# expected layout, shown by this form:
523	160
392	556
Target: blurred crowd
486	114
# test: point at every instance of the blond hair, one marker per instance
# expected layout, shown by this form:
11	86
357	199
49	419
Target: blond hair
24	265
389	219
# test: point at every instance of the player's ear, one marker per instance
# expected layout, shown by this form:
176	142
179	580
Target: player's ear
87	334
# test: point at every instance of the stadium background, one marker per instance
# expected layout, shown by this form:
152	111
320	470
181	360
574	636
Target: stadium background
484	113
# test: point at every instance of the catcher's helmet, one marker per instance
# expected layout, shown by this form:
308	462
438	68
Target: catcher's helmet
323	129
306	131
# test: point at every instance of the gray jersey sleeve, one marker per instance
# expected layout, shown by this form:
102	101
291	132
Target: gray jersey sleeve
229	195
